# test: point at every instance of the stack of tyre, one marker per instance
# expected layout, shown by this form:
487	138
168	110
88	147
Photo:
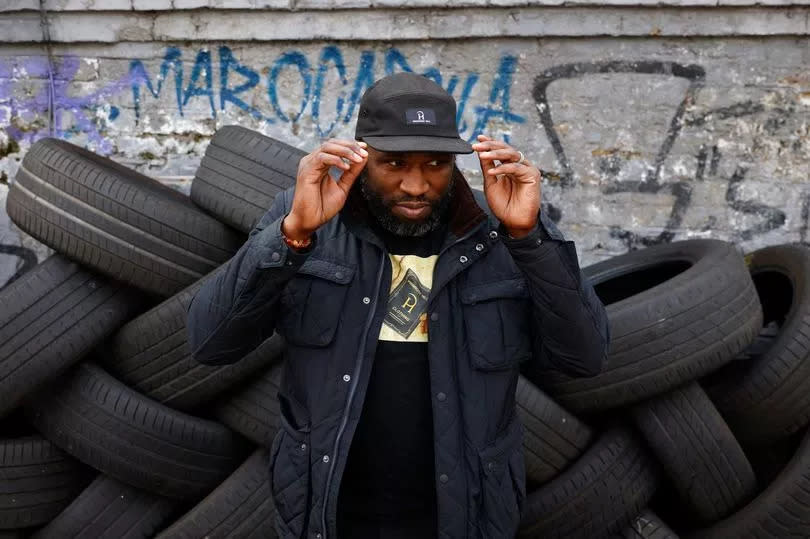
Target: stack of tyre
109	429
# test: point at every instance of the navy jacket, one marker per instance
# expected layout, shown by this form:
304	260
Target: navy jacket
498	306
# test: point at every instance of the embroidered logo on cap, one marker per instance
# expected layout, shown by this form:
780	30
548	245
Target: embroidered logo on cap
420	116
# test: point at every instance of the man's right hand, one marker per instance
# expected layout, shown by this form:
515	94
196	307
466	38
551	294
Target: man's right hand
318	197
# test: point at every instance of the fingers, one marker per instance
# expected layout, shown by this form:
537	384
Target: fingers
504	155
519	171
486	143
486	164
326	160
346	149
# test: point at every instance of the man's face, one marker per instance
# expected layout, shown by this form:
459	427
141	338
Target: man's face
408	192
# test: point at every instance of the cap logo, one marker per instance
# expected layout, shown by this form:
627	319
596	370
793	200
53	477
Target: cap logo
423	116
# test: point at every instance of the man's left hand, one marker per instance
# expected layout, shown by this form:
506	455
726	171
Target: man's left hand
512	186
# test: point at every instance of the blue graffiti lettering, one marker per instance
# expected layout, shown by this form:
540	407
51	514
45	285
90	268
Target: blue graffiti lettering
394	59
330	54
239	86
202	65
500	91
363	80
296	59
138	76
228	63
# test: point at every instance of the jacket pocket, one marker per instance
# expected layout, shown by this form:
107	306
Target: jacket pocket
497	322
290	481
312	302
503	483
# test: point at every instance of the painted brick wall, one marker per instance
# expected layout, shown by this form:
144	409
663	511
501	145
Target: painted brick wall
651	124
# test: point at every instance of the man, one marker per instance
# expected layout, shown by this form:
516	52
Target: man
409	304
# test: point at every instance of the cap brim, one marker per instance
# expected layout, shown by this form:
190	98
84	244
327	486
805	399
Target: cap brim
419	144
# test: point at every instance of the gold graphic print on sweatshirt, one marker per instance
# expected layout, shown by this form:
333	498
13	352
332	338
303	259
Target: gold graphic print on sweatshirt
411	281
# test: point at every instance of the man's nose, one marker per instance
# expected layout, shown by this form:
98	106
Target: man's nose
413	183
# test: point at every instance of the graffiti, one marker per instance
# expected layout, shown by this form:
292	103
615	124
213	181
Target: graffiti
650	182
681	191
231	88
311	88
317	90
81	109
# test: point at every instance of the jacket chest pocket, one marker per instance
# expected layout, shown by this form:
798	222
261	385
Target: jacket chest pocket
498	324
313	302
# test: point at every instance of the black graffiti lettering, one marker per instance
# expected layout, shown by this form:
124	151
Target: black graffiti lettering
693	73
737	110
650	182
771	217
708	156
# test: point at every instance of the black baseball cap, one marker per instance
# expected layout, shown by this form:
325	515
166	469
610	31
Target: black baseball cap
406	112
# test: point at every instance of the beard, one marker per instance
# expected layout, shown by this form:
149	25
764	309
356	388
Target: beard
381	210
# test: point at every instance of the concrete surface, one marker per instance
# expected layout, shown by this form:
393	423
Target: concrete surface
644	136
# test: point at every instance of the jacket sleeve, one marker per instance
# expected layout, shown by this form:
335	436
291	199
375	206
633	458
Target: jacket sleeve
236	308
571	332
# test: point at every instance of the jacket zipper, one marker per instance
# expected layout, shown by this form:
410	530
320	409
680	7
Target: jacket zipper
352	390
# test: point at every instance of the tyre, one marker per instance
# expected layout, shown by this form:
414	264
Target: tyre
770	459
115	220
240	508
647	526
598	496
109	509
698	451
241	173
765	394
676	312
253	410
37	481
51	317
134	439
151	355
782	510
553	437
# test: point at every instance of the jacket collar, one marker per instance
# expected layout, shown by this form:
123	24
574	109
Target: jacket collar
465	213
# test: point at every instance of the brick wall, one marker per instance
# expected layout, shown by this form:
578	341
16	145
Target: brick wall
652	121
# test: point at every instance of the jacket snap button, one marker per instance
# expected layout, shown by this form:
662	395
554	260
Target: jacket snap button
326	458
303	447
434	316
493	234
318	535
479	247
366	300
490	466
338	275
275	257
443	478
462	259
539	241
346	377
441	396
